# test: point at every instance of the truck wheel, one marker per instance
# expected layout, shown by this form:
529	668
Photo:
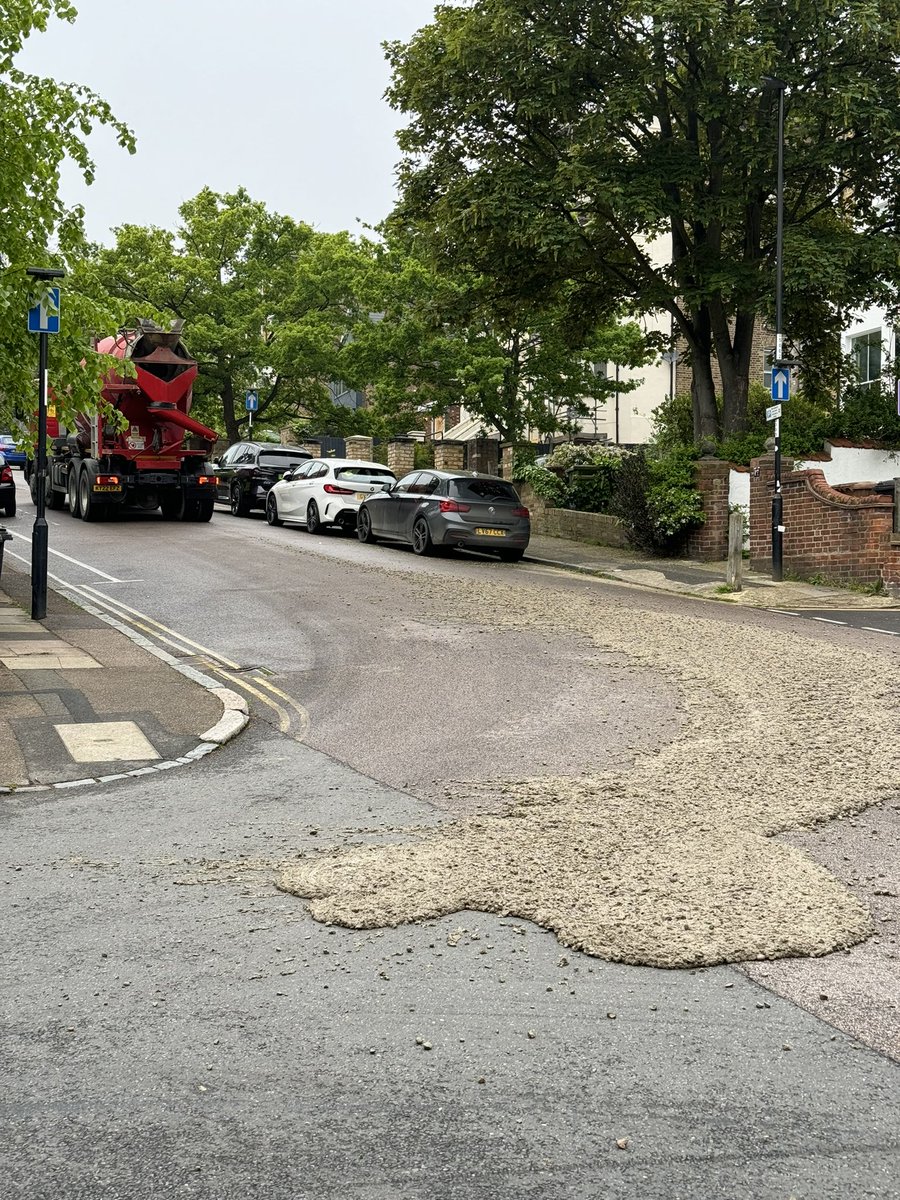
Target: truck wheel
90	509
10	508
73	500
200	509
172	507
54	499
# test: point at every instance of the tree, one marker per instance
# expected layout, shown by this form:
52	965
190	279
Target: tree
551	145
265	300
42	123
433	338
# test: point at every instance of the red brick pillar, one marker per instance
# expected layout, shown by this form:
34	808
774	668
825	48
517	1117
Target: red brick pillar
709	543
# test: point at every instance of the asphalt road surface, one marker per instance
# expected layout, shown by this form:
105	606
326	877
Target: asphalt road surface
174	1026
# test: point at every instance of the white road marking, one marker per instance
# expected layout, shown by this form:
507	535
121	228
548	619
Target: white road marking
76	561
784	612
828	621
872	629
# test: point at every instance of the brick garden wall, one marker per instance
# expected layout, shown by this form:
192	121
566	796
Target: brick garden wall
709	542
566	522
843	533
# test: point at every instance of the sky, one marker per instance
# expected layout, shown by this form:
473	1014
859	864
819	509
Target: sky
282	97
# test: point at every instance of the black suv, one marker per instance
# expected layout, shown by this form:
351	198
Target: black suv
247	470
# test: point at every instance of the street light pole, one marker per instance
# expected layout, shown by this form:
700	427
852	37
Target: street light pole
39	532
778	499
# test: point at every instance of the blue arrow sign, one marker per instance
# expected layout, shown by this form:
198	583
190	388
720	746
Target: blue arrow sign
781	383
44	317
251	401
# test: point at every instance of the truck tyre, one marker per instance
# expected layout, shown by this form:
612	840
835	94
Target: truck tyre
73	499
173	507
199	509
90	509
53	498
10	507
203	509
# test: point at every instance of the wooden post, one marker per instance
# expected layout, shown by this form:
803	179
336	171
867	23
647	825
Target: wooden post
735	568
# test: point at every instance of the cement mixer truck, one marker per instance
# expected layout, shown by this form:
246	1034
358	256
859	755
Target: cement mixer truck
142	449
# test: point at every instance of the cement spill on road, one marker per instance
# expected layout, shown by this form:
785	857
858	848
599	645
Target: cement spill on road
672	864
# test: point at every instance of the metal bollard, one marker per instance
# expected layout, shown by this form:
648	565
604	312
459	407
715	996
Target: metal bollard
5	536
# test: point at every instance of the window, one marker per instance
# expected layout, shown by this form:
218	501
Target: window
317	470
231	454
866	351
409	483
281	459
484	489
768	364
303	471
364	474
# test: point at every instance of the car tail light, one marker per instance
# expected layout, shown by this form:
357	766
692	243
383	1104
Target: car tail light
208	479
6	475
521	512
333	490
107	480
453	506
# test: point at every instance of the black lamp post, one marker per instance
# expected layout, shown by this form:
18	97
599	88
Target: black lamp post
39	532
778	499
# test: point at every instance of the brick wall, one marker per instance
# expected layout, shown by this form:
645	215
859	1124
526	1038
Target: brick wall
401	456
449	456
313	448
565	522
359	447
843	533
483	455
709	543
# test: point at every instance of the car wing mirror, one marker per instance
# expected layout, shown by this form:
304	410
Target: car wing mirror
387	487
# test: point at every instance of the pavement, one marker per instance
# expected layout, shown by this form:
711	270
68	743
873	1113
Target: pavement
84	698
704	580
82	701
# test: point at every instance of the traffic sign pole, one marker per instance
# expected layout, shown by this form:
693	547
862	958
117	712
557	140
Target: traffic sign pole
40	322
39	532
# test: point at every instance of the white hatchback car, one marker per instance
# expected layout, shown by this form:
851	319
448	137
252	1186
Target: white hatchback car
325	491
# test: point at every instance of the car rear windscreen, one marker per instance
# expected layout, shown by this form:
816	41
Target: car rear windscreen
363	474
483	489
281	459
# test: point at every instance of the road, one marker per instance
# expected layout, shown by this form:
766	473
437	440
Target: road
176	1026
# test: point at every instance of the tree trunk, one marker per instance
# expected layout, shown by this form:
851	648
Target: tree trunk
232	427
733	354
703	389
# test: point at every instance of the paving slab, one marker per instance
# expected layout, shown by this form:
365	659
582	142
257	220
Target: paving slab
76	694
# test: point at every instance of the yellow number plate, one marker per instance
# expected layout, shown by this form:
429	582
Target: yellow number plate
492	532
106	487
361	495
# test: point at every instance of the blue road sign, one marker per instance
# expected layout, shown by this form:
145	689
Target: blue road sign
251	401
781	383
44	317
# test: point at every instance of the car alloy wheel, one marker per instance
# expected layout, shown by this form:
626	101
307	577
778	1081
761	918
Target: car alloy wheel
421	538
313	524
364	527
272	510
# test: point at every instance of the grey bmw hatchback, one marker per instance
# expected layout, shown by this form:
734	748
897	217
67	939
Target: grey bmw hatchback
429	509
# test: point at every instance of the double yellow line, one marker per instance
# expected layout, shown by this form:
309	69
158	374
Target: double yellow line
294	723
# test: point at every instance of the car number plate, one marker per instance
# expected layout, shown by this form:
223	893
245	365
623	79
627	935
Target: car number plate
106	487
361	495
492	532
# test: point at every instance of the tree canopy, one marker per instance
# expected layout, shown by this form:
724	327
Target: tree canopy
265	299
443	337
42	123
556	146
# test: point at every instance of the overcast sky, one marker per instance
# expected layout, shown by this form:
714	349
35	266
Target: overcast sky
283	97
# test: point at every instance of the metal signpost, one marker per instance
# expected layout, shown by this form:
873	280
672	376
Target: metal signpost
251	402
781	391
781	372
43	319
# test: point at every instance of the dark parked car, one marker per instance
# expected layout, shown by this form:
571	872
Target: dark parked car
247	470
7	489
448	508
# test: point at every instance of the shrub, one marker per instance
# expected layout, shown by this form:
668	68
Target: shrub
546	484
657	500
